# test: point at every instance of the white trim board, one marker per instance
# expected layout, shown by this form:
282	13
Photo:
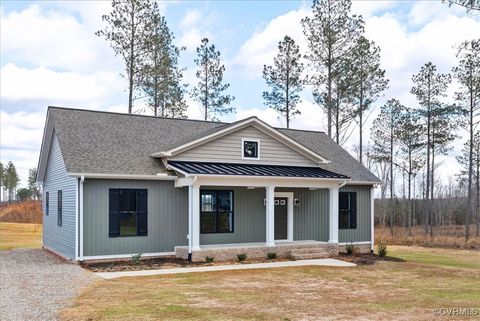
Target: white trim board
124	256
289	196
355	243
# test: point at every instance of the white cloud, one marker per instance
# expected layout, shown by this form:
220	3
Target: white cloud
41	83
369	8
262	46
53	39
192	17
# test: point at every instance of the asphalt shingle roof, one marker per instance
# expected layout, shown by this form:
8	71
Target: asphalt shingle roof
113	143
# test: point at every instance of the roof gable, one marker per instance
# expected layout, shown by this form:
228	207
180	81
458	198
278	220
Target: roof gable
234	127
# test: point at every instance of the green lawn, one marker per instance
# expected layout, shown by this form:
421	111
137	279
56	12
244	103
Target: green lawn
20	235
429	279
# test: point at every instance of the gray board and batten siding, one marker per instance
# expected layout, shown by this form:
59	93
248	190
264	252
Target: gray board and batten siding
60	239
167	218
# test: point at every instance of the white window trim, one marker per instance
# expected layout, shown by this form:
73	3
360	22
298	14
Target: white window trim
258	148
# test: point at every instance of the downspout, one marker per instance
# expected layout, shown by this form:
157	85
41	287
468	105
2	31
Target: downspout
77	217
190	217
82	179
343	184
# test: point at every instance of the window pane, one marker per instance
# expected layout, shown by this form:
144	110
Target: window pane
207	222
343	201
209	201
128	224
250	149
225	201
225	222
128	200
343	219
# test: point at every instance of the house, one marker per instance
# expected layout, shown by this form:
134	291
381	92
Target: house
119	184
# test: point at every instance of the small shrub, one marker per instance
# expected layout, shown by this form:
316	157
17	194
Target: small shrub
351	249
209	259
136	258
272	255
242	257
382	249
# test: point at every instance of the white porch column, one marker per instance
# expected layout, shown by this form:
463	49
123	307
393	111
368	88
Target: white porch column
333	209
195	217
270	214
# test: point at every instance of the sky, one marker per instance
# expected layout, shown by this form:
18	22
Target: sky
49	55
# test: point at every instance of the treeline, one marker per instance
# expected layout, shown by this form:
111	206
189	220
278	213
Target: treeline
407	141
342	69
9	181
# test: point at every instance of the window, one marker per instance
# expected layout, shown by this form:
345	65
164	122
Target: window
59	208
216	212
250	148
347	205
47	202
128	212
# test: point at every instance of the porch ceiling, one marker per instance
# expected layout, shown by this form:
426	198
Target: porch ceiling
234	169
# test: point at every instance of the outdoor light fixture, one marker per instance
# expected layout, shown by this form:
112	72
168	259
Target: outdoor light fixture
250	187
296	202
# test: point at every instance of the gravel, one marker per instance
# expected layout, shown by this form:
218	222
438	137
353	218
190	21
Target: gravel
35	284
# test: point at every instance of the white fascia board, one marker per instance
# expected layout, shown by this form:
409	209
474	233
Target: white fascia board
362	183
44	149
262	181
249	121
125	176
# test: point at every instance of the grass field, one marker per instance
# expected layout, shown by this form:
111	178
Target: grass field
429	279
22	212
444	236
20	235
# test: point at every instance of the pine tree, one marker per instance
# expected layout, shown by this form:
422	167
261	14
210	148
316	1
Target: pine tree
126	30
367	81
411	141
384	138
428	87
161	77
331	33
32	184
474	166
285	80
210	90
468	75
11	180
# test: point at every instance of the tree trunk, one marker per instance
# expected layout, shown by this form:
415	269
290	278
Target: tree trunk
392	194
432	210
470	172
131	74
409	192
427	188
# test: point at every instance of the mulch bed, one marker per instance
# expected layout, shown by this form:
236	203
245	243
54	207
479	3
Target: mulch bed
366	258
159	263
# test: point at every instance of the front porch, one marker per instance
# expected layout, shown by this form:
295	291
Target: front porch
309	249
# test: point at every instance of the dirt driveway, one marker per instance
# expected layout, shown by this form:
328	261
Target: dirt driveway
35	284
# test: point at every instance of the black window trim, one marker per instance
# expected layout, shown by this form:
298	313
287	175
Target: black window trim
217	212
47	203
59	208
349	212
109	213
250	140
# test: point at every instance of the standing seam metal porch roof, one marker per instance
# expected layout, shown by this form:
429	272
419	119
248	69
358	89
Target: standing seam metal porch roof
211	168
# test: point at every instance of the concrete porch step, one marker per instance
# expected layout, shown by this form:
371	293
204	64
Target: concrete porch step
308	254
306	250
